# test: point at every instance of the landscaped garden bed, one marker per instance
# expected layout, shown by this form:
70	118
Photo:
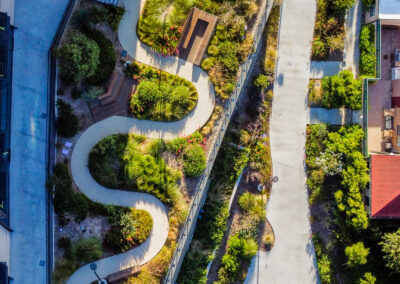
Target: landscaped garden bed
329	33
159	95
78	242
238	232
336	91
367	51
350	247
161	23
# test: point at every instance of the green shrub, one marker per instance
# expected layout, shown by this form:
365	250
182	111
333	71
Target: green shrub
114	17
107	58
128	229
269	240
79	57
342	5
208	63
253	204
228	55
92	92
136	169
67	123
367	51
319	48
261	82
148	92
85	250
342	90
324	269
65	199
143	277
194	159
367	279
356	254
110	14
391	248
180	96
213	50
367	3
132	69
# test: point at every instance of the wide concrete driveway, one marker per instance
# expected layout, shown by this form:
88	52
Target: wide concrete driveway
36	23
292	259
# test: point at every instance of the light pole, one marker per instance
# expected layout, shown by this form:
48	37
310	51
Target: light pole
93	266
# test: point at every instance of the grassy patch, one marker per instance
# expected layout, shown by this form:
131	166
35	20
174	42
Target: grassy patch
160	96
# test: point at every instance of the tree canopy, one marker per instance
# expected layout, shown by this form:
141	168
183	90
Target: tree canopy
356	254
391	249
79	57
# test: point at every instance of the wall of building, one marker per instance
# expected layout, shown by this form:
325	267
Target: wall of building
372	13
7	6
4	245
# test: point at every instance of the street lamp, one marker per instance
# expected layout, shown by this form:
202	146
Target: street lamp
93	266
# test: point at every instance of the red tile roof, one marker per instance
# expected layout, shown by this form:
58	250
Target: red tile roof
385	186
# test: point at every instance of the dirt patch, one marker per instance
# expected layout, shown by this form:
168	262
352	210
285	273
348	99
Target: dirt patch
90	227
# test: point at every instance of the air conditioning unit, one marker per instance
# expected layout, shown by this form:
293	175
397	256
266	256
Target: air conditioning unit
397	58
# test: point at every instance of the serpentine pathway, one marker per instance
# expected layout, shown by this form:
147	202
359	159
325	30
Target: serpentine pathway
152	129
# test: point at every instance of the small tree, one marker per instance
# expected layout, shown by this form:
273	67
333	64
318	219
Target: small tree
367	279
342	5
79	57
356	254
148	92
391	249
261	82
180	96
67	122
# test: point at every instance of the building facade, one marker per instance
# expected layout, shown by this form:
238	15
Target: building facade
6	59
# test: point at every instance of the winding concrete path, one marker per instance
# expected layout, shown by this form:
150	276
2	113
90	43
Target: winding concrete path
152	129
292	259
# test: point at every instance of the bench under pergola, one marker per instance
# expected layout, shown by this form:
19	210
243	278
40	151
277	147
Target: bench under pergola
197	31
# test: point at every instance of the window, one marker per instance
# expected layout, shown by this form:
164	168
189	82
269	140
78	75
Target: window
398	136
372	10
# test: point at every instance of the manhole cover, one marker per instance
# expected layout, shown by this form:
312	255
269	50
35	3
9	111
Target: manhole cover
275	179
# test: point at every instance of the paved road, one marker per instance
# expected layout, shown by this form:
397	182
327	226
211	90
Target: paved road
36	23
292	260
334	116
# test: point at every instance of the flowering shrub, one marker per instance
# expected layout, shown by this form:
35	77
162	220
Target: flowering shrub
128	229
168	45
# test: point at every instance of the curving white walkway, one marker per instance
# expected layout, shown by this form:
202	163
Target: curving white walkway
152	129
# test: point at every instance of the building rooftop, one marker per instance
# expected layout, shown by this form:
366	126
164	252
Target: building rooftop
385	186
389	9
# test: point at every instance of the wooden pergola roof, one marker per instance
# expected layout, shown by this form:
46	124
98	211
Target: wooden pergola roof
197	31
